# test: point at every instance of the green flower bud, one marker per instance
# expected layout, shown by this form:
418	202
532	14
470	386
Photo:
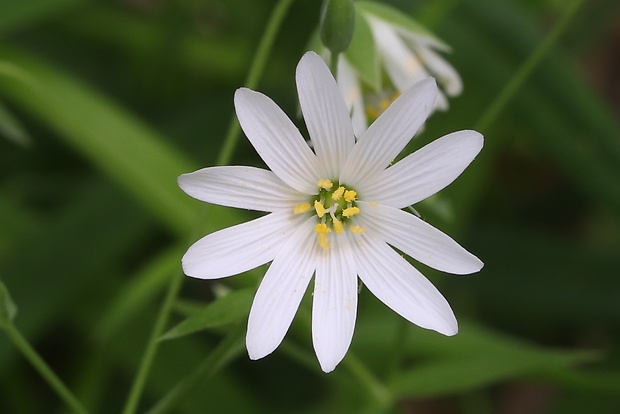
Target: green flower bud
337	23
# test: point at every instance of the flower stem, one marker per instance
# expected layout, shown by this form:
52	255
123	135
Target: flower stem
46	372
226	350
526	68
256	71
333	64
382	395
153	344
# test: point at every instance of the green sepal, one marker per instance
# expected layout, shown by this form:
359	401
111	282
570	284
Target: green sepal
223	311
362	53
337	24
398	18
8	309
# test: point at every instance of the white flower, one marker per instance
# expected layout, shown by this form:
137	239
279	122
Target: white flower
407	52
333	213
409	57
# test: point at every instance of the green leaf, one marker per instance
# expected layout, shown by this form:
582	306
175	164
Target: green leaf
140	290
228	309
398	18
119	144
477	357
15	13
362	53
8	310
12	129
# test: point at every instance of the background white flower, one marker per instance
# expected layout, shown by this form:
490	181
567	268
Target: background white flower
405	50
333	213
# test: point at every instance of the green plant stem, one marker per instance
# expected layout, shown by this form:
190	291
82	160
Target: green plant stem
381	394
153	344
526	68
46	372
333	64
255	73
224	352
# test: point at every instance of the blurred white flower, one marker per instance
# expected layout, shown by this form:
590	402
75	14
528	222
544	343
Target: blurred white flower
333	213
406	52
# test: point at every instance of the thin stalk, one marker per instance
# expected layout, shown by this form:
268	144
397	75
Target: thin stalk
382	395
228	348
153	344
44	370
333	64
527	67
255	73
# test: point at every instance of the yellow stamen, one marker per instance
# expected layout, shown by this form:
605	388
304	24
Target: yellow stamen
323	231
326	184
356	229
338	193
350	212
301	208
320	209
350	195
337	226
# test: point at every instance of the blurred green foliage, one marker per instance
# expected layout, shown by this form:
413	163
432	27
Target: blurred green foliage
104	104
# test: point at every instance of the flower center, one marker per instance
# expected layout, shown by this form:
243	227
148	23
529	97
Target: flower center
378	103
334	206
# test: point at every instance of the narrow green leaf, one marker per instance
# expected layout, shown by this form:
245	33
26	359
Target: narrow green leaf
139	292
398	18
362	53
457	375
228	309
12	129
16	13
8	310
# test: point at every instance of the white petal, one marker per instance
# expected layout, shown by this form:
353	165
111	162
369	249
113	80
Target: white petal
349	85
446	75
401	64
281	291
425	172
241	187
239	248
389	134
277	140
400	286
417	239
334	303
325	114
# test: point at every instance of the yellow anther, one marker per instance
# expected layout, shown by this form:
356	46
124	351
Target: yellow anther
356	229
384	104
350	212
338	193
301	208
322	228
320	210
350	195
323	231
326	184
337	226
